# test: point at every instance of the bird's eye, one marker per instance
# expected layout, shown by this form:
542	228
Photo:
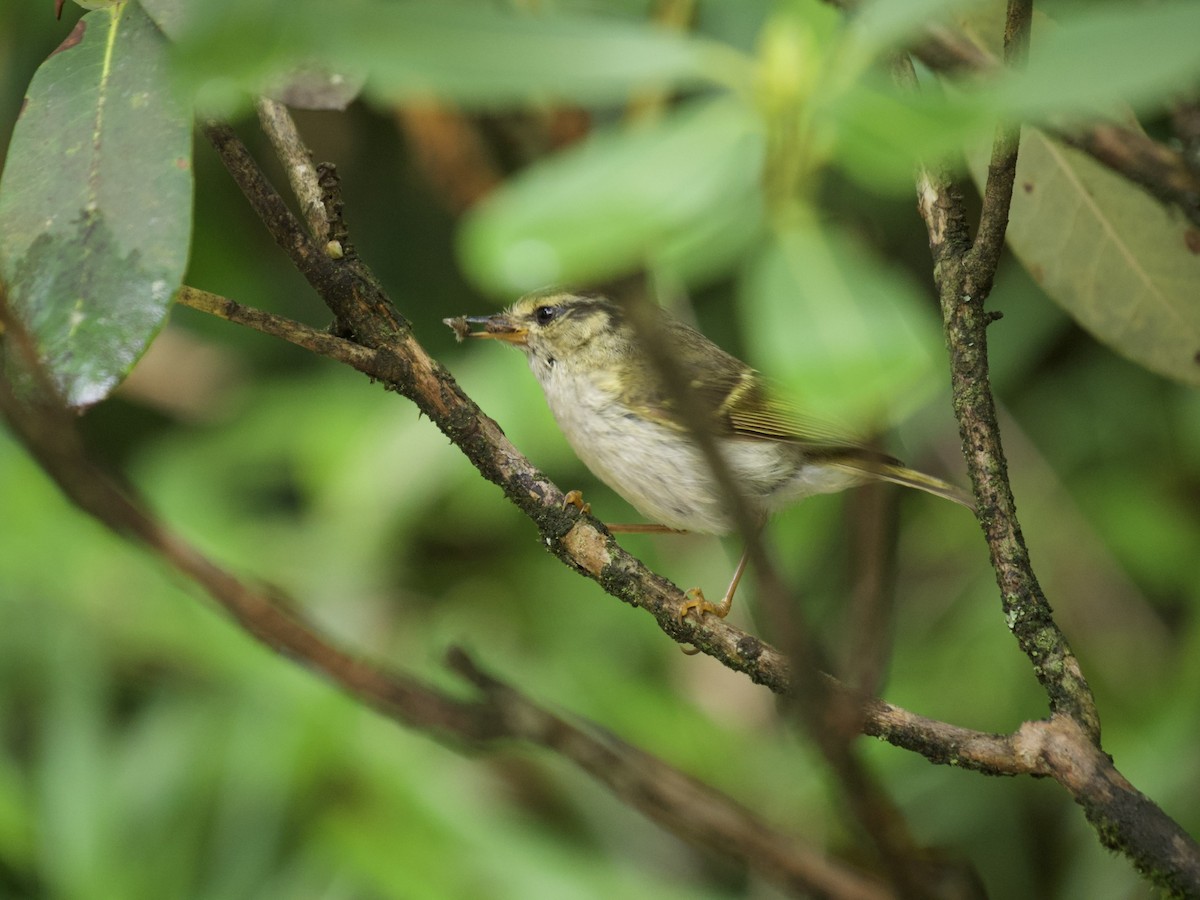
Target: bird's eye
544	315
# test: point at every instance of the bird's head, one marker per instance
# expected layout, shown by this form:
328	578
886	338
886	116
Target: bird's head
553	326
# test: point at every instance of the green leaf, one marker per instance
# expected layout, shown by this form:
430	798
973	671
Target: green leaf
475	54
1116	260
95	201
168	15
855	344
623	199
1141	54
483	56
883	135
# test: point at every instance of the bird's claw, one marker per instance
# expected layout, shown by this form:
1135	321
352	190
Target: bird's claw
575	499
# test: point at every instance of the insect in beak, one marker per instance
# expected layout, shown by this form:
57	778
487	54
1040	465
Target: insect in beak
498	327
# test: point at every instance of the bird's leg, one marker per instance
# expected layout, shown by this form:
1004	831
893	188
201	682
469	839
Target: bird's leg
641	528
696	599
575	499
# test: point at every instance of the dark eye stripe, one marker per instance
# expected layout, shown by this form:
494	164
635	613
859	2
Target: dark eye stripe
589	304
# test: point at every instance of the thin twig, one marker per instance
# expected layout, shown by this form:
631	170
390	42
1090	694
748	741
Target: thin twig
984	255
278	125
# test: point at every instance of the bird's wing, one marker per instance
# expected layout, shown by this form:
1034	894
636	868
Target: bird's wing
736	400
739	403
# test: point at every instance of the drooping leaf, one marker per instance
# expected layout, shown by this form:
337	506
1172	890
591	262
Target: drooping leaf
1123	265
620	200
95	201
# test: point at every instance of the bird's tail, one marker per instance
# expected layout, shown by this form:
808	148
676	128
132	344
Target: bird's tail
912	478
884	468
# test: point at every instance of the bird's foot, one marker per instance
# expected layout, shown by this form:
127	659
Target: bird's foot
696	601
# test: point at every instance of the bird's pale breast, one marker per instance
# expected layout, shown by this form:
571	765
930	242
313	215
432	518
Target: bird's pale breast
659	470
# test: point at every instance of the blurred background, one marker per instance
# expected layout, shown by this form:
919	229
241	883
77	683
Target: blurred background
150	749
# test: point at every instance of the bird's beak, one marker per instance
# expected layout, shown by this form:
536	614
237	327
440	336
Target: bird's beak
498	327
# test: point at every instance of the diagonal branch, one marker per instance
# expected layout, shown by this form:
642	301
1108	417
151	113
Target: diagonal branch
297	162
578	539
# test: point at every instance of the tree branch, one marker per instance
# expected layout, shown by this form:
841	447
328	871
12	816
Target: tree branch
984	255
1124	818
964	272
297	162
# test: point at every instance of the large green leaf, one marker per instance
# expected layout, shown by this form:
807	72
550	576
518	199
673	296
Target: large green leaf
683	192
473	53
1116	260
883	134
1141	54
853	341
95	201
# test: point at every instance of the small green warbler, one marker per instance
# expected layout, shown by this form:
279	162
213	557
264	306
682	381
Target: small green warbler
609	402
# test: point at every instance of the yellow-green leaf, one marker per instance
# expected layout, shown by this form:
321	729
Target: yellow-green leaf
1122	264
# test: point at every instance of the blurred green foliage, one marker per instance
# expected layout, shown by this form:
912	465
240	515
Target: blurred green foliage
149	749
